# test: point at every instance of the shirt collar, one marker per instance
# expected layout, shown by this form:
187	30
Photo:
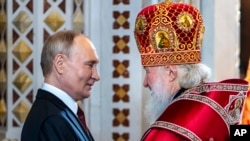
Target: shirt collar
62	96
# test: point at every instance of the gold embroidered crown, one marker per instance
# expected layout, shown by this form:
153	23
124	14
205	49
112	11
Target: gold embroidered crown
169	33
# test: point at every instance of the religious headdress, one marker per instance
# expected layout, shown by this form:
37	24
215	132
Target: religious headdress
169	33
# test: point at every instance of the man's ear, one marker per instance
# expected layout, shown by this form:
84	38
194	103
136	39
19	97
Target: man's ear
172	72
59	63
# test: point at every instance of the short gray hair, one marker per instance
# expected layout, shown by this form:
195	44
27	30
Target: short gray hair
60	42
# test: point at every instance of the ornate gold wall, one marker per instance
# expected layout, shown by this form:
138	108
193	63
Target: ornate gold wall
24	26
3	64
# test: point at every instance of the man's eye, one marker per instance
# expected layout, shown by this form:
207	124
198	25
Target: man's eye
91	65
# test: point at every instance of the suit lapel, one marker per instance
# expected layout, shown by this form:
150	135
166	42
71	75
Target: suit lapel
74	120
69	115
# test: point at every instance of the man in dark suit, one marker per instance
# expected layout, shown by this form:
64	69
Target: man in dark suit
69	64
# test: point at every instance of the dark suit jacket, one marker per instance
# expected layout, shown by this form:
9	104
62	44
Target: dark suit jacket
51	120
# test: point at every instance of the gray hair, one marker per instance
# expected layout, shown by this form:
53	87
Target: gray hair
191	75
59	43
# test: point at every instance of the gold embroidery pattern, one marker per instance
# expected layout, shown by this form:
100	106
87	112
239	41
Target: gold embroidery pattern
217	87
185	21
234	108
170	57
225	112
160	35
238	95
178	129
211	103
140	24
169	33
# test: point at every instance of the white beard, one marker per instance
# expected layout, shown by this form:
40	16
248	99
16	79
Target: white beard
155	106
158	102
